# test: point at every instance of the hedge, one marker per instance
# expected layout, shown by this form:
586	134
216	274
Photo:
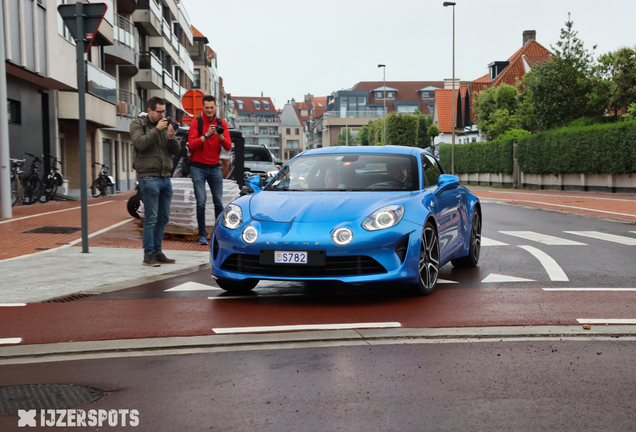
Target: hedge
595	149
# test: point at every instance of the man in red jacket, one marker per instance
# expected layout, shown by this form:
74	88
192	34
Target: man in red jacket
205	151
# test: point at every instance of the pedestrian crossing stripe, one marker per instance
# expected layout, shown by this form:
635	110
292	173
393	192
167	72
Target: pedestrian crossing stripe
492	278
629	241
7	341
485	241
543	238
192	286
606	321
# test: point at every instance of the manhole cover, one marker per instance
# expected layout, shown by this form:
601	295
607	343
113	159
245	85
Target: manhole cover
46	396
71	297
53	230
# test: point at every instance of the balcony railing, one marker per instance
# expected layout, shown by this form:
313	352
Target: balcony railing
101	84
125	31
128	104
165	30
175	42
353	114
167	80
152	5
148	60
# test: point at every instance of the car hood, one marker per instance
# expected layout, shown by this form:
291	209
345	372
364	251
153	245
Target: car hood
259	166
310	207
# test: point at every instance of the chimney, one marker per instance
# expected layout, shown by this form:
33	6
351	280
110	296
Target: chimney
309	97
448	83
527	35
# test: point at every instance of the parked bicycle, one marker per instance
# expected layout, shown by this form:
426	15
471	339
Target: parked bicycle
102	182
17	193
32	184
53	180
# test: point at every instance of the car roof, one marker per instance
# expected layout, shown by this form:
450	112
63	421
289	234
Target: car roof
402	150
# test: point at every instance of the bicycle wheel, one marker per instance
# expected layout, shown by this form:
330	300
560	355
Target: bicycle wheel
50	189
95	188
15	190
32	190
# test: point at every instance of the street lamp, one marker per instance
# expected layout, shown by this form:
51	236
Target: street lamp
446	4
384	103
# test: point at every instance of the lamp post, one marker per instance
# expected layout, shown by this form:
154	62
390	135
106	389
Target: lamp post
446	4
384	103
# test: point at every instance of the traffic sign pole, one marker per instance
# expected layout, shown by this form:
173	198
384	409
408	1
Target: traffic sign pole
81	94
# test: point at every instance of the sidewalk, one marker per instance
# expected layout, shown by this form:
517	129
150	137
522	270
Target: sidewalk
37	267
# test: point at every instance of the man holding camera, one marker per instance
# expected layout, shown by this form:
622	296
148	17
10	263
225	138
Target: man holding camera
205	167
153	139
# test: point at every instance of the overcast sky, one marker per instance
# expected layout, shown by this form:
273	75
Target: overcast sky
288	48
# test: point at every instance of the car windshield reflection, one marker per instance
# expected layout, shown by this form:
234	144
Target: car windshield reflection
348	172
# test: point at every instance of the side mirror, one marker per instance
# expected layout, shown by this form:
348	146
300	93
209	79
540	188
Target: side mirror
279	162
446	181
255	183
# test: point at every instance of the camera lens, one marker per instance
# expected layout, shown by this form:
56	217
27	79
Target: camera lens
220	130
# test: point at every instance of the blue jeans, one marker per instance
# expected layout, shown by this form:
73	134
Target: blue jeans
214	178
156	194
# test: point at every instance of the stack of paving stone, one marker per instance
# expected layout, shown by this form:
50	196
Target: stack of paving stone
183	210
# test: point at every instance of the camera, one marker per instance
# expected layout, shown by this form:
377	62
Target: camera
220	130
174	124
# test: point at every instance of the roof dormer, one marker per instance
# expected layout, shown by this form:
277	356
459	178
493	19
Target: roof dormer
496	68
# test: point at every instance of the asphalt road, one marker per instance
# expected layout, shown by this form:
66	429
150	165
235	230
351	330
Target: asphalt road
537	268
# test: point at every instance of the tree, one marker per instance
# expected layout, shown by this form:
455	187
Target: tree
433	132
363	136
424	122
496	108
401	129
561	88
346	138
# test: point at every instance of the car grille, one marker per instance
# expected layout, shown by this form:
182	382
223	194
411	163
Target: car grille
334	266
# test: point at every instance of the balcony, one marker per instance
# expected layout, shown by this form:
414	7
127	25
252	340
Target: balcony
150	72
148	14
101	84
353	114
128	104
124	52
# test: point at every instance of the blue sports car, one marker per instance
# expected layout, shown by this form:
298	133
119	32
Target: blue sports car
351	214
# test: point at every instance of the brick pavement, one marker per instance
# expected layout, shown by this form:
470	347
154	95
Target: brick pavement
105	212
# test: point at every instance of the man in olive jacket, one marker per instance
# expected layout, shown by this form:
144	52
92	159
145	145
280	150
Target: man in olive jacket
154	142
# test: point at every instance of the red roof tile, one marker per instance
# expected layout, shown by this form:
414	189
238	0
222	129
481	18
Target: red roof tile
444	107
248	104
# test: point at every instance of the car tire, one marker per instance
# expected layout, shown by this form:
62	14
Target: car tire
474	247
233	286
428	267
133	205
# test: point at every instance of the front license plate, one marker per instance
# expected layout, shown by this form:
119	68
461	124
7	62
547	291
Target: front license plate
290	257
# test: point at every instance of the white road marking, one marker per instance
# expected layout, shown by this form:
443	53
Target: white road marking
305	327
629	241
7	341
543	238
74	242
605	321
12	304
555	272
565	196
254	296
503	278
193	286
444	281
485	241
588	289
563	206
56	211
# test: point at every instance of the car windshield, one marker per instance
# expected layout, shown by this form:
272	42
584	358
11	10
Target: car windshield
348	172
257	154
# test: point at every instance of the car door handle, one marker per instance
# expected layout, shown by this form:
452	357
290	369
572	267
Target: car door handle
459	197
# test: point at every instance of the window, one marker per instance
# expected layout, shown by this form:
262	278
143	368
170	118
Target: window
425	95
297	131
265	105
288	131
474	139
389	94
292	144
197	79
409	109
239	104
14	111
431	171
247	130
304	113
257	105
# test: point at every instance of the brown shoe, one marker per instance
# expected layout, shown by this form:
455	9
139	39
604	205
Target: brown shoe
164	259
150	260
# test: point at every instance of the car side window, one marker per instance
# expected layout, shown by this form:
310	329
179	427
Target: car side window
431	171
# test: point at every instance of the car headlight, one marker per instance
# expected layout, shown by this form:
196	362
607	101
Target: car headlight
232	217
342	236
271	174
384	218
250	235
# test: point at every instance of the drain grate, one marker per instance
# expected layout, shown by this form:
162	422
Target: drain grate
71	297
46	396
53	230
